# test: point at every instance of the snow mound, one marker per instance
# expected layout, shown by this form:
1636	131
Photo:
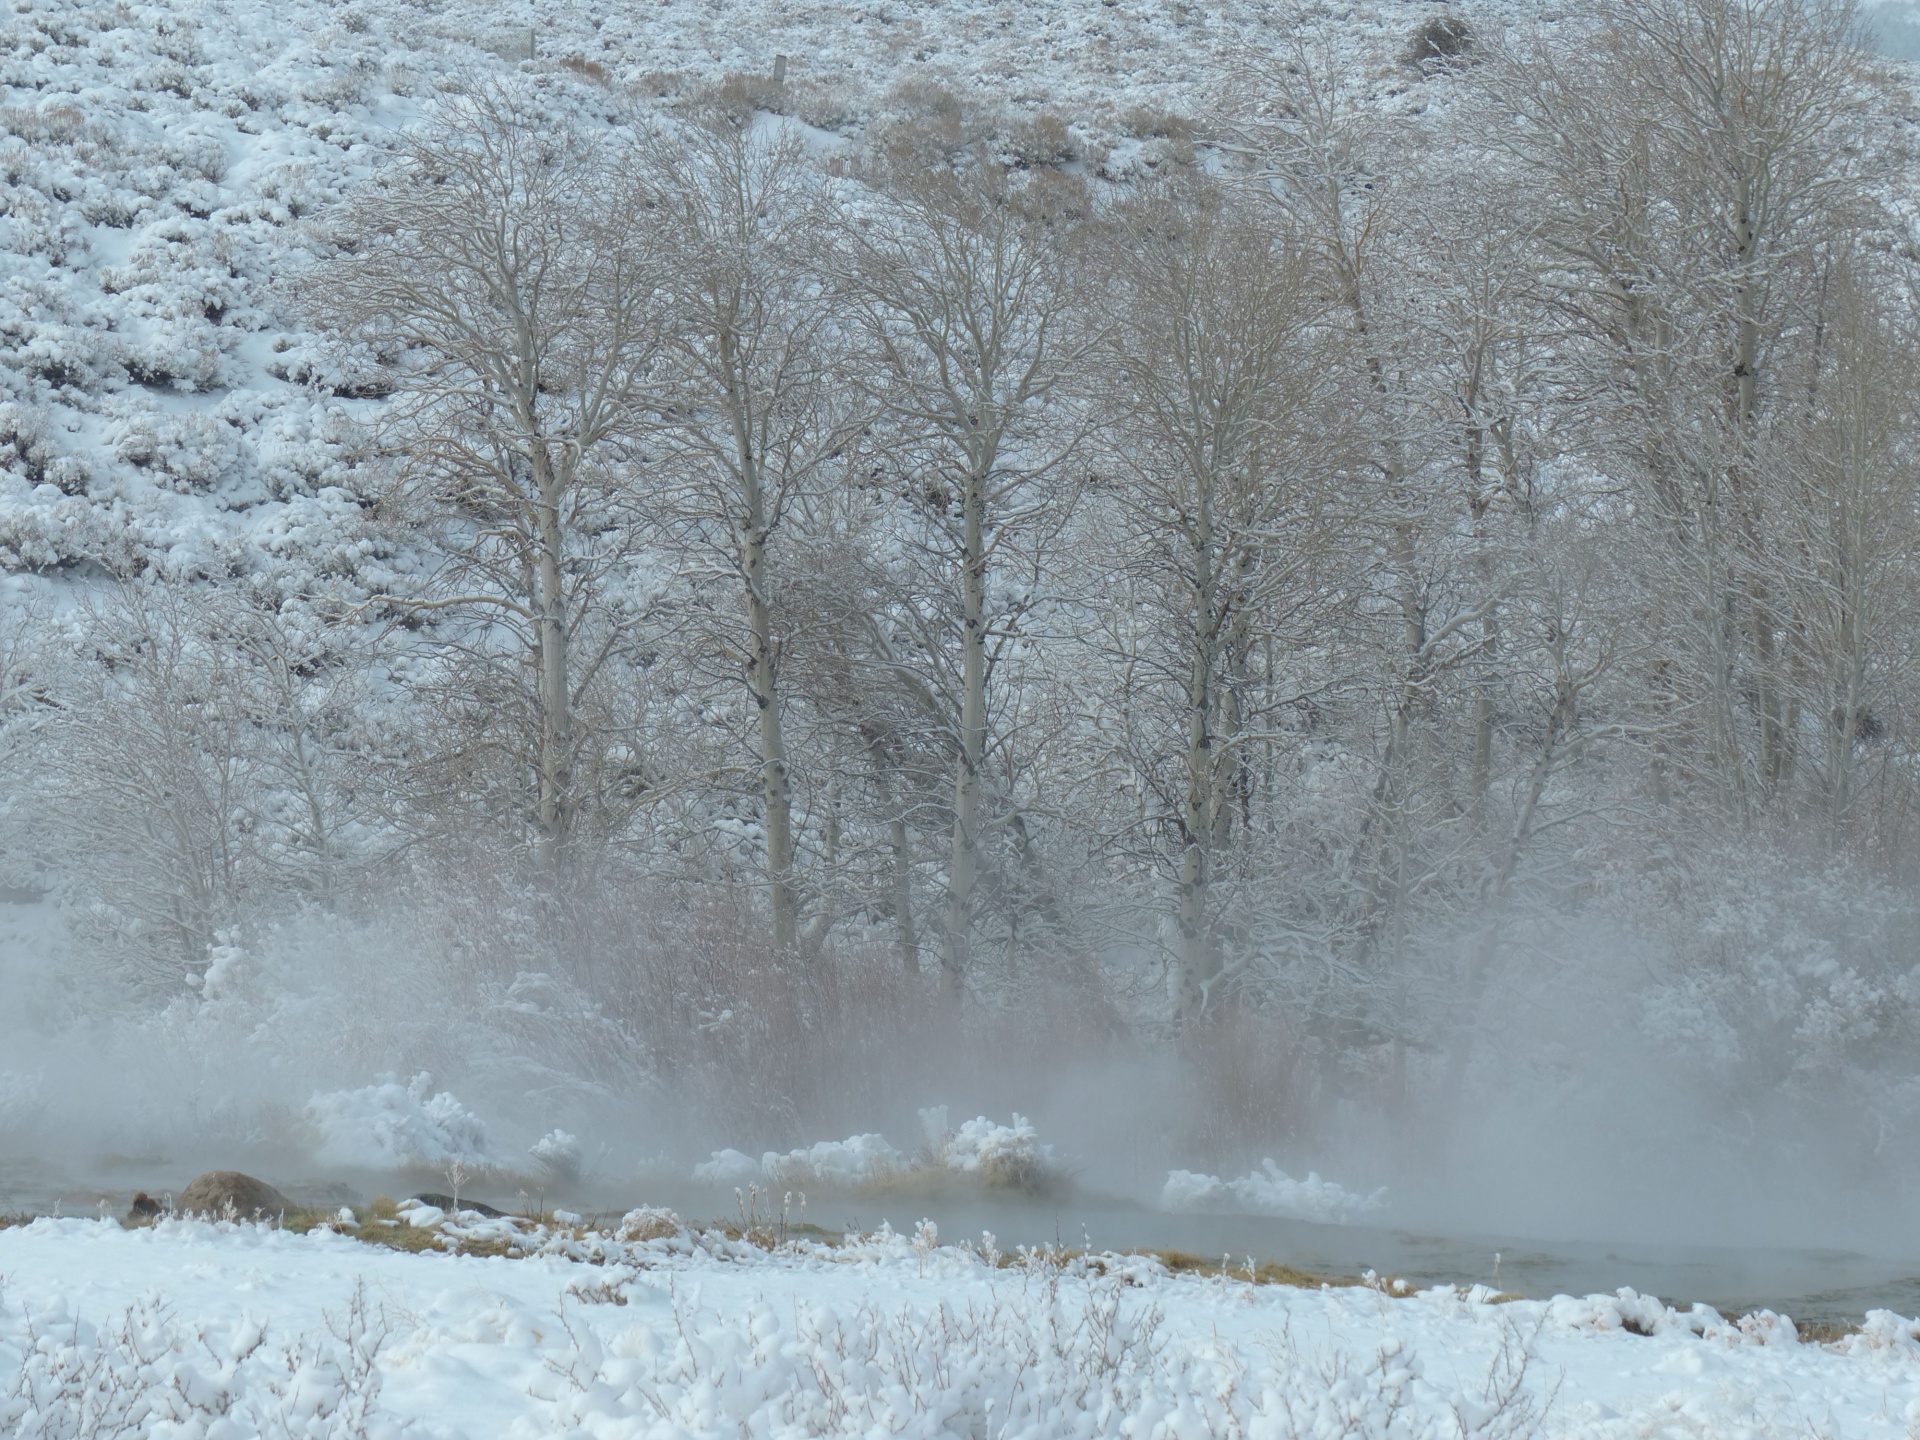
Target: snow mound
1270	1191
420	1215
389	1126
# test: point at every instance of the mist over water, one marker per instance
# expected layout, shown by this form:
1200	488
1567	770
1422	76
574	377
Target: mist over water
1581	1127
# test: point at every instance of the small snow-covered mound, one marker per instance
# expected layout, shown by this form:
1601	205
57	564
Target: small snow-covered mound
390	1126
1270	1191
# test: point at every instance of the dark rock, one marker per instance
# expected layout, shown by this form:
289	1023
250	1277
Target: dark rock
144	1207
445	1202
218	1190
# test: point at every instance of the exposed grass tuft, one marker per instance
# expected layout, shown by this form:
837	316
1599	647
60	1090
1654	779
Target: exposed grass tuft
1825	1332
1262	1272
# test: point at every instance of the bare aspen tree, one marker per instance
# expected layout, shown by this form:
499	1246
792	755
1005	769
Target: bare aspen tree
1483	340
1850	525
1228	440
1692	161
148	773
500	270
1319	158
1566	645
968	283
201	755
759	408
861	676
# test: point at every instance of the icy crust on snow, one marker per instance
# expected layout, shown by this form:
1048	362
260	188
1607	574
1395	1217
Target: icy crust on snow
1270	1191
390	1126
1007	1155
219	1331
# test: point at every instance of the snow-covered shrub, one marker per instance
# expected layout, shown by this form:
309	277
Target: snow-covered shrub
1032	1363
833	1164
648	1222
149	1373
727	1167
1270	1191
390	1126
558	1154
1002	1157
1007	1157
1056	1353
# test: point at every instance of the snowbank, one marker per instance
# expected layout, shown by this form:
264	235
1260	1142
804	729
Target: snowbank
1270	1191
389	1126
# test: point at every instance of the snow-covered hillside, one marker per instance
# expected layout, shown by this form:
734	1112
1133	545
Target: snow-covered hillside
219	1330
162	163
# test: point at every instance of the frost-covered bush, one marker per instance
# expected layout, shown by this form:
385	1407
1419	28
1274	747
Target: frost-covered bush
1791	985
1002	1157
1051	1353
830	1164
558	1154
727	1167
998	1156
648	1222
390	1126
150	1373
1270	1191
856	1160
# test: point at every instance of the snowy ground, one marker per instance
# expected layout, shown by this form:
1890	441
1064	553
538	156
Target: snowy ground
211	1330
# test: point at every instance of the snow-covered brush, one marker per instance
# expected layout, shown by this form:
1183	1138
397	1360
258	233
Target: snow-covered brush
1270	1191
997	1157
1060	1349
558	1155
148	1373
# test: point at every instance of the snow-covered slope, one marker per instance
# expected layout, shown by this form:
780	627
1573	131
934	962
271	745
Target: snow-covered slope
161	163
158	162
